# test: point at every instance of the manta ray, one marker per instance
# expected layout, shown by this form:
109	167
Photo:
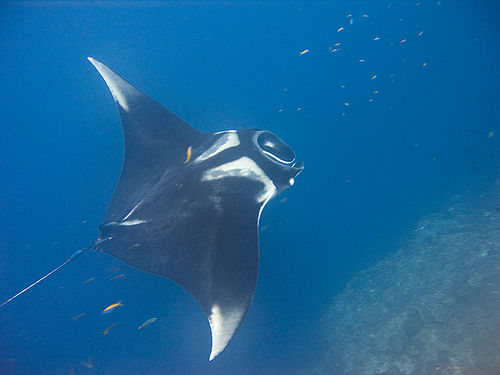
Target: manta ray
187	204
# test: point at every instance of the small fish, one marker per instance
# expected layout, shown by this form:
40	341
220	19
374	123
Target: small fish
121	275
147	322
376	38
374	76
420	33
87	364
87	281
188	155
78	317
111	307
134	246
402	41
340	29
106	331
304	52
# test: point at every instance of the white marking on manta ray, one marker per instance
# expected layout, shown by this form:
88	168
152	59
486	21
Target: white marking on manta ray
262	207
131	222
222	326
246	168
277	158
118	87
227	140
132	210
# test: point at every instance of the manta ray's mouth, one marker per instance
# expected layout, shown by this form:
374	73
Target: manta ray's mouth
298	166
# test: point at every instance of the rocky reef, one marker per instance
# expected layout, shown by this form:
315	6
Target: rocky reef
431	308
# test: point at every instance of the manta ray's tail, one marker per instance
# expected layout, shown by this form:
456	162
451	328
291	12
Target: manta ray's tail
73	256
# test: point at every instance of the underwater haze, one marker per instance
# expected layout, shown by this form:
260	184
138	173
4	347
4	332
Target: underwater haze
383	258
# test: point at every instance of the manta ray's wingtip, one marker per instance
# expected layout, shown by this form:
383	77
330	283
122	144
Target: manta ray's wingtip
121	90
223	323
212	355
94	62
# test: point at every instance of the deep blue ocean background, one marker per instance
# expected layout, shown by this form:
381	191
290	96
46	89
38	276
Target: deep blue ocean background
388	130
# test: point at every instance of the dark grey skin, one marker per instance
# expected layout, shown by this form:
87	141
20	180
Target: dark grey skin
187	205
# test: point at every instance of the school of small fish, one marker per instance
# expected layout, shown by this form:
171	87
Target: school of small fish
350	21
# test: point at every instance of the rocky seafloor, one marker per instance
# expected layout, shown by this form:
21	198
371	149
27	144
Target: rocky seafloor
431	308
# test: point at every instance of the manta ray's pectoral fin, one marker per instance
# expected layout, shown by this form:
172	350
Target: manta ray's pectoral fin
154	139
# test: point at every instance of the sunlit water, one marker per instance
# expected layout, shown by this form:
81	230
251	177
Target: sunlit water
393	107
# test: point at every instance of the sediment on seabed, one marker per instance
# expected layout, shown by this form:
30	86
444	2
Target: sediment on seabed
433	307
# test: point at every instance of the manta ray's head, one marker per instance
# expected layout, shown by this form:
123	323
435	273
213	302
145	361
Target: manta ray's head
253	162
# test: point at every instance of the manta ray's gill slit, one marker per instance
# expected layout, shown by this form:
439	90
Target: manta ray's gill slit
246	168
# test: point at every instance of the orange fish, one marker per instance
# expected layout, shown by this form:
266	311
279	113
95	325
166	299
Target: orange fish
110	308
188	155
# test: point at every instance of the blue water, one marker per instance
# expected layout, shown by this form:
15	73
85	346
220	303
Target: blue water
372	167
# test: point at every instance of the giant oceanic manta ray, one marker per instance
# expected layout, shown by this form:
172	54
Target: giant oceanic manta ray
187	205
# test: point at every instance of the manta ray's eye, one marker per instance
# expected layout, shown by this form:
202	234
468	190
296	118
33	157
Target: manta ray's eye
275	148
